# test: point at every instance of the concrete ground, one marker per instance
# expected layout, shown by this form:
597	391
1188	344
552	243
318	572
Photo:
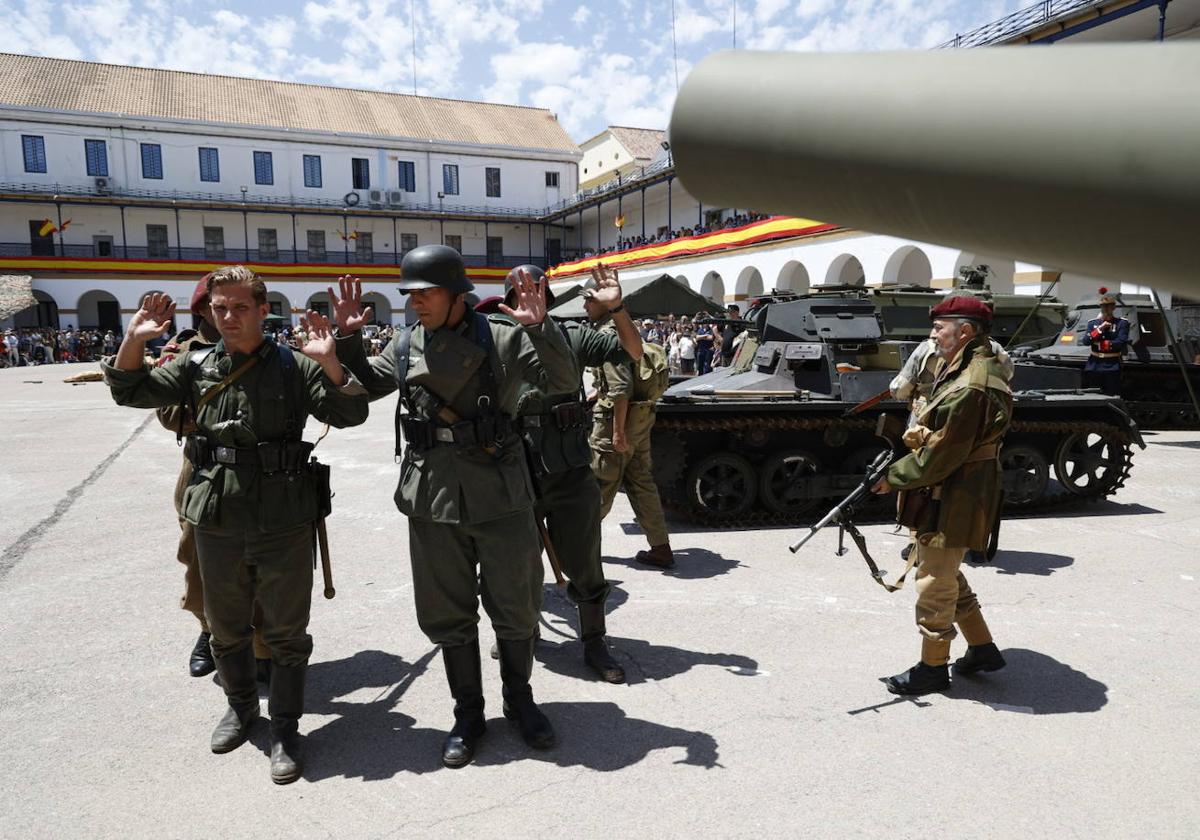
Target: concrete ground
753	706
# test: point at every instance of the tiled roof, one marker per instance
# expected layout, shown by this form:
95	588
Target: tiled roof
59	84
642	143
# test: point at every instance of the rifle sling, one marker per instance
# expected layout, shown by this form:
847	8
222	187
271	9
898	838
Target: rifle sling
216	390
861	541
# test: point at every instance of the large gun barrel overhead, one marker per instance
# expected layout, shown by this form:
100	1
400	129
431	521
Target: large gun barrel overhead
1081	158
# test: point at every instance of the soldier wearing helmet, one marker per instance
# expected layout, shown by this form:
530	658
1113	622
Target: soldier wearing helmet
464	482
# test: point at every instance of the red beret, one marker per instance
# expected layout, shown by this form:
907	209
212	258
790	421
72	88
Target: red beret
489	305
200	295
962	306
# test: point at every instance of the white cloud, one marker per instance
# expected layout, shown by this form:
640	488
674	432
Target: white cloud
581	16
551	63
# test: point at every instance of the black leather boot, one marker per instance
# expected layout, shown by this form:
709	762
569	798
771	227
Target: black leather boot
201	664
980	658
595	647
236	672
285	705
466	687
516	666
919	679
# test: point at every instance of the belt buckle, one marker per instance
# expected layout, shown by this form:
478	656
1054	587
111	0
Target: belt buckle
225	455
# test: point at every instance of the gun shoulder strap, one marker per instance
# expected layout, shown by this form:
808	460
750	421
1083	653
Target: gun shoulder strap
861	543
216	390
187	405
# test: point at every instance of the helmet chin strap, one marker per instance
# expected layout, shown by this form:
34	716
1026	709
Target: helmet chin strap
456	301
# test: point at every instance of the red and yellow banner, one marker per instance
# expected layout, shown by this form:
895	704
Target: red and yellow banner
102	265
778	227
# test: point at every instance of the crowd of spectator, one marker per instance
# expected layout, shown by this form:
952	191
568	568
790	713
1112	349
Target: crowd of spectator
45	345
696	345
625	243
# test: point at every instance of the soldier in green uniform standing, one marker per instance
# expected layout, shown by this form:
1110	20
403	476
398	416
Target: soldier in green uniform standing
626	395
956	445
254	497
464	482
176	419
555	432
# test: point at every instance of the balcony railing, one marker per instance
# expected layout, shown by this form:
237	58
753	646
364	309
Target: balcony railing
655	169
1019	21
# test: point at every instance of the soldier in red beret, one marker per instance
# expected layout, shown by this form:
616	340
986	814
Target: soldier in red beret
955	443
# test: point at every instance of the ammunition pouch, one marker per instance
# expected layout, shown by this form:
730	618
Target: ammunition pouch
484	431
918	509
271	456
557	440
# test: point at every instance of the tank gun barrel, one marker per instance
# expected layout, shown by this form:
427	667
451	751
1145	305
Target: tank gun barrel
1077	157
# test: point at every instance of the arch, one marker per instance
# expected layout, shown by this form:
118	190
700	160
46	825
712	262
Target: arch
44	313
713	287
319	302
98	309
382	307
1000	278
908	266
793	277
278	304
680	278
845	270
749	283
410	314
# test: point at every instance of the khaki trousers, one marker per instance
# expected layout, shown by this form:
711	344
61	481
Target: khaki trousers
631	469
944	598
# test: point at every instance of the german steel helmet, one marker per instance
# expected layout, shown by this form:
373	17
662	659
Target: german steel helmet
510	281
434	267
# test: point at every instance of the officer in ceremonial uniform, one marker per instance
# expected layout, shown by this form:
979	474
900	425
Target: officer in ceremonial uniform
254	498
176	419
555	432
464	482
622	421
955	444
1108	338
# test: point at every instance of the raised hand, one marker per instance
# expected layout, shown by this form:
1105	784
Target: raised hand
319	344
347	305
531	300
608	287
153	319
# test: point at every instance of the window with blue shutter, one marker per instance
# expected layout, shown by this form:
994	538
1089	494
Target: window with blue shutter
264	169
360	173
210	166
450	178
312	171
97	157
34	148
152	161
408	176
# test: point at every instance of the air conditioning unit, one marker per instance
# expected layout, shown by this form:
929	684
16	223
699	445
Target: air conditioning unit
375	199
103	186
395	197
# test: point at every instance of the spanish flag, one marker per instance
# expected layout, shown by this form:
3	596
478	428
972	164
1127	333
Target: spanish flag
48	227
620	222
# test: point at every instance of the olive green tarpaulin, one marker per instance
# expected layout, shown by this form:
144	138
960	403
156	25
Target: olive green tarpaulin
16	294
649	297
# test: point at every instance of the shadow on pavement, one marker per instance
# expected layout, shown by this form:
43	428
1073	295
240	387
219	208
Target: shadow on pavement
367	740
1034	684
560	617
1026	562
1106	507
690	564
598	736
641	660
1186	444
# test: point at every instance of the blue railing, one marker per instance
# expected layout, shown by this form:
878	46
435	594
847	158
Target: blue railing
1018	22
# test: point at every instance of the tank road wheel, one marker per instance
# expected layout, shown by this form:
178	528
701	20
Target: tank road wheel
1026	474
721	485
1142	407
1091	464
781	484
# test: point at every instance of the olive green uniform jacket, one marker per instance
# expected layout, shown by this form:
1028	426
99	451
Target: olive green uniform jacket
969	410
263	405
457	484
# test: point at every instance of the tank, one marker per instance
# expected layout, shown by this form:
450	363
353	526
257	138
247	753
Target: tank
769	438
1152	383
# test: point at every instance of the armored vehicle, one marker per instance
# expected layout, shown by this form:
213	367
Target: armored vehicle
1152	383
769	438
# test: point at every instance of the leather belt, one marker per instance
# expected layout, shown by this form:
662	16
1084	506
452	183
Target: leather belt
1106	355
987	452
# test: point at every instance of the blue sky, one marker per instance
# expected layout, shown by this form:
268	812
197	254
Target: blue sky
593	64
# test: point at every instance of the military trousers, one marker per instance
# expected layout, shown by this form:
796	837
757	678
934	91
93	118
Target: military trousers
944	598
238	567
569	502
455	565
631	470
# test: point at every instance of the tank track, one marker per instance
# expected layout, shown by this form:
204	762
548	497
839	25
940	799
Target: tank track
679	427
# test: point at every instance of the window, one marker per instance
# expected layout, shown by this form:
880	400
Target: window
553	251
495	250
156	242
152	161
102	246
214	243
316	246
34	148
96	153
312	171
268	244
210	166
364	248
491	177
551	179
264	168
450	178
408	176
454	241
40	245
360	173
408	241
